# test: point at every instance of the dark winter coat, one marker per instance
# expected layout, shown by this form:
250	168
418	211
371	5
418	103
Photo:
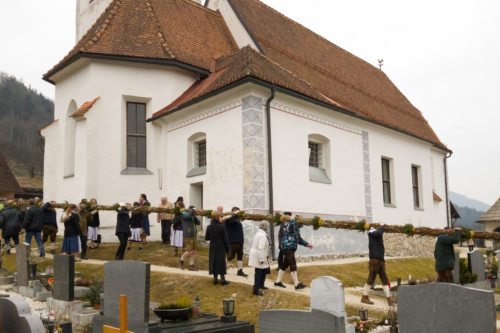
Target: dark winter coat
50	215
94	220
72	226
189	223
33	219
219	248
444	252
136	220
10	222
177	222
123	222
235	230
376	244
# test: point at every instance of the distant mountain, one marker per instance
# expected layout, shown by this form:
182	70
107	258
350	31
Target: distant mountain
23	111
463	201
468	218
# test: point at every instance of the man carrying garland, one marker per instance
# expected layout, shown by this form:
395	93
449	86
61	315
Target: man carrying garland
376	265
290	240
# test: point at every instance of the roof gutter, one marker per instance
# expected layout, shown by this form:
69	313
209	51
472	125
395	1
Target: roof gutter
445	165
251	79
270	166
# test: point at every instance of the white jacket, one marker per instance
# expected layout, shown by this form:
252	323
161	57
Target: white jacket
259	251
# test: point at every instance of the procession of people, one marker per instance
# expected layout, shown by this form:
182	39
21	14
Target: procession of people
179	230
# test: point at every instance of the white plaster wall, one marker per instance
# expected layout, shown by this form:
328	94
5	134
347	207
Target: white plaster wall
220	120
52	154
406	151
101	138
292	188
87	13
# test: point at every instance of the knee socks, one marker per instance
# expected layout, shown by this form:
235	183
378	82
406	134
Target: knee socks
280	275
387	291
366	289
240	264
295	278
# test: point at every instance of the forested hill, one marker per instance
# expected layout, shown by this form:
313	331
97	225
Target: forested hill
23	111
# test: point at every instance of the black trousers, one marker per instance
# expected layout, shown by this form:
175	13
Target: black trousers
166	226
259	278
123	238
83	240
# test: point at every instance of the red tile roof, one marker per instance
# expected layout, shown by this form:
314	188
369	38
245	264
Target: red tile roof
174	30
84	108
8	182
293	58
345	78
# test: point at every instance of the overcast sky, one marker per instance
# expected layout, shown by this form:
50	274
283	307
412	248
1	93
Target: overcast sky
443	55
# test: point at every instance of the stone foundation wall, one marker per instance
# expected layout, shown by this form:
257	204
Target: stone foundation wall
399	245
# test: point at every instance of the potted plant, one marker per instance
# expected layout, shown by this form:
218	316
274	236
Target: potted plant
178	311
94	295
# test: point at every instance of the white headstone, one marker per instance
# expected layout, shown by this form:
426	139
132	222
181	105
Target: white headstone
327	294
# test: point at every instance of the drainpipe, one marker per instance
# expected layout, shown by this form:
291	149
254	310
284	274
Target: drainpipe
270	168
446	157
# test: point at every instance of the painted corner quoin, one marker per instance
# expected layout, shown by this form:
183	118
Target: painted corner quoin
253	153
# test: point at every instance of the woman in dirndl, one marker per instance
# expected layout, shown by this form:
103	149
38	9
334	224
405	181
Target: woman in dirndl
177	240
136	223
93	224
71	241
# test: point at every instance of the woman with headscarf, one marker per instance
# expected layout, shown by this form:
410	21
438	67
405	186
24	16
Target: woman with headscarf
219	248
259	258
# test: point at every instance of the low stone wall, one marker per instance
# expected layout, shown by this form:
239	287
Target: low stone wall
399	245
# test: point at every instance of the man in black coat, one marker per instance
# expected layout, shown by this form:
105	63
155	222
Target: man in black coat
219	248
236	239
376	265
49	230
33	224
10	223
445	254
122	230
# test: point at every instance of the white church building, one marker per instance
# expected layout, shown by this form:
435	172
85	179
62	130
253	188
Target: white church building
231	103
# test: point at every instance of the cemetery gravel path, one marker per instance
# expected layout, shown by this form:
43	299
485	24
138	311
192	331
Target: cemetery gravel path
352	295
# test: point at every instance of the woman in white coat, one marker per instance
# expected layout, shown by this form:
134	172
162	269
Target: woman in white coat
259	259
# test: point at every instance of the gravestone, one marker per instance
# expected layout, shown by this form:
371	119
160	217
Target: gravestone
64	278
16	316
130	278
23	264
327	294
456	269
445	307
300	321
476	264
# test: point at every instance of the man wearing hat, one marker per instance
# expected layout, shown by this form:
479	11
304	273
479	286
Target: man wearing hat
289	240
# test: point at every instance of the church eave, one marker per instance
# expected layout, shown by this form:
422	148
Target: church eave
154	61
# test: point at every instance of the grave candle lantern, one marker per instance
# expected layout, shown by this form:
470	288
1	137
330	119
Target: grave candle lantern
228	307
363	315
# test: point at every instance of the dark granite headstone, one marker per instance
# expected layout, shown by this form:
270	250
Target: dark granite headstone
130	278
445	307
64	278
23	264
476	264
300	321
211	325
456	269
16	316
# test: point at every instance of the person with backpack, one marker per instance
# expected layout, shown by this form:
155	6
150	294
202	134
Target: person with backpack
189	222
289	242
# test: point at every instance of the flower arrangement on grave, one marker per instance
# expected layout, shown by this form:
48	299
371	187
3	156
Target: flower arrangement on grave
492	266
181	309
93	295
466	276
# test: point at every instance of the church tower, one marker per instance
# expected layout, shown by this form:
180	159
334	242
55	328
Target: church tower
87	12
